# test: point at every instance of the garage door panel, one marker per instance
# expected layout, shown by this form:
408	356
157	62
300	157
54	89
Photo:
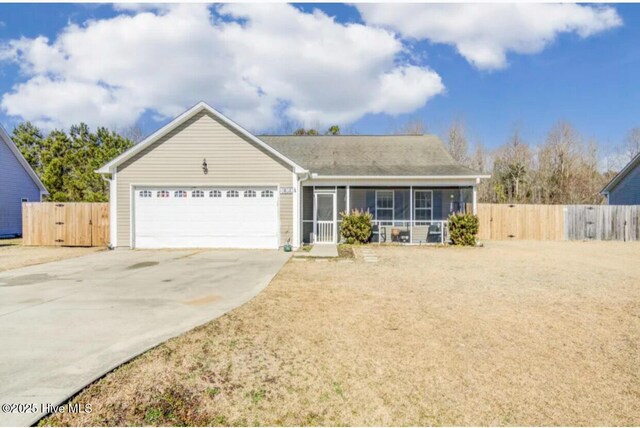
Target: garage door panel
208	222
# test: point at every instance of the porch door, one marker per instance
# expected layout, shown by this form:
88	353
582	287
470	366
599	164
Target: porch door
325	218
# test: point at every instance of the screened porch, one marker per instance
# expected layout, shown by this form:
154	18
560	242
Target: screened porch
404	215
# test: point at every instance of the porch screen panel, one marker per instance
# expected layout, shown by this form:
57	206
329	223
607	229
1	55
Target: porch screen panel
401	205
371	202
450	202
467	196
341	202
307	203
438	205
363	199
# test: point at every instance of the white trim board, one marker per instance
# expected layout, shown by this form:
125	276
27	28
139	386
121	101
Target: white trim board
201	106
393	182
397	177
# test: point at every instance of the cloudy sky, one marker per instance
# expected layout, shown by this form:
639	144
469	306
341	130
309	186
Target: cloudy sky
369	68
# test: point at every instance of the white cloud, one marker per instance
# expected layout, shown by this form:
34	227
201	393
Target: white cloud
484	33
258	64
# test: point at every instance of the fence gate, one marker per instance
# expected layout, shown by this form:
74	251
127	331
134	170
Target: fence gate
69	224
521	221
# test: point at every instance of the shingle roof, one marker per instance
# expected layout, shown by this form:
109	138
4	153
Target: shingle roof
369	155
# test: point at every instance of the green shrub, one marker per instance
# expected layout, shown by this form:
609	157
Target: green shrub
356	227
463	228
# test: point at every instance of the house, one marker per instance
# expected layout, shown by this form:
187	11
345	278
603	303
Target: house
204	181
18	184
624	188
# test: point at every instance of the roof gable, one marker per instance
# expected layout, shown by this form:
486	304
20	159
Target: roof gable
634	163
371	155
4	136
202	106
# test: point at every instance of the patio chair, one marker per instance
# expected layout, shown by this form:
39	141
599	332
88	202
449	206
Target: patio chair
378	234
435	233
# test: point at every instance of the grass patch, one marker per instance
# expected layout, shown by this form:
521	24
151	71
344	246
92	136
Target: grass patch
521	333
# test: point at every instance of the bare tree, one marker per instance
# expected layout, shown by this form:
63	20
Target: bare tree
412	127
568	168
456	143
512	170
133	133
631	145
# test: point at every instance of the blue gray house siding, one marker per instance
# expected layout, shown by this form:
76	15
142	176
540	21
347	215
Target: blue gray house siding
627	191
15	184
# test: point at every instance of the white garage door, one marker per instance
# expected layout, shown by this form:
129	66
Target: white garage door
206	217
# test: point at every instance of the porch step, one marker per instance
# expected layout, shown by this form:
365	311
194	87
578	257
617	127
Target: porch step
369	256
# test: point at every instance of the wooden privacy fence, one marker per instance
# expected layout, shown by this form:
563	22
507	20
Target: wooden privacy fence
602	222
67	224
559	222
521	221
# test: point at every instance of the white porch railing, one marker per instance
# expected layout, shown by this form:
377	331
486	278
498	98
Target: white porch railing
324	232
410	231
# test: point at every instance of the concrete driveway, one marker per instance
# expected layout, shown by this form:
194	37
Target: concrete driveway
66	323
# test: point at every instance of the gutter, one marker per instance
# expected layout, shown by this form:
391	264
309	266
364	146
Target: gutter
398	177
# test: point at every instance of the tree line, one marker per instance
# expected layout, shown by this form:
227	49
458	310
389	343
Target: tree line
563	169
66	161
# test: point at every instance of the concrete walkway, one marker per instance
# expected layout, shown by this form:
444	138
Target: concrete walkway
320	251
66	323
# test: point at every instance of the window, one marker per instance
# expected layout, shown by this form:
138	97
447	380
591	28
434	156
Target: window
146	194
180	194
249	193
215	194
384	206
232	194
197	194
25	199
163	193
267	194
423	202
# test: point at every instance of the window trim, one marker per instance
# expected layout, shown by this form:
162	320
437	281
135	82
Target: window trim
250	193
236	194
267	193
145	193
416	208
163	194
215	193
198	192
392	209
183	193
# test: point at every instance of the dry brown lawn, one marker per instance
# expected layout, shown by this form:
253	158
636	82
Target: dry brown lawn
13	255
516	333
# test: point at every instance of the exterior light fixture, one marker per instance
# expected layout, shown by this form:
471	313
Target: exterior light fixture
205	168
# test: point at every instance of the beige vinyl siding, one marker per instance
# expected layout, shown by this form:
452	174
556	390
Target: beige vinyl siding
176	159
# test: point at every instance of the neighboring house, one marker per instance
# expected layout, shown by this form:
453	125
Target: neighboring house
624	188
18	184
204	181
